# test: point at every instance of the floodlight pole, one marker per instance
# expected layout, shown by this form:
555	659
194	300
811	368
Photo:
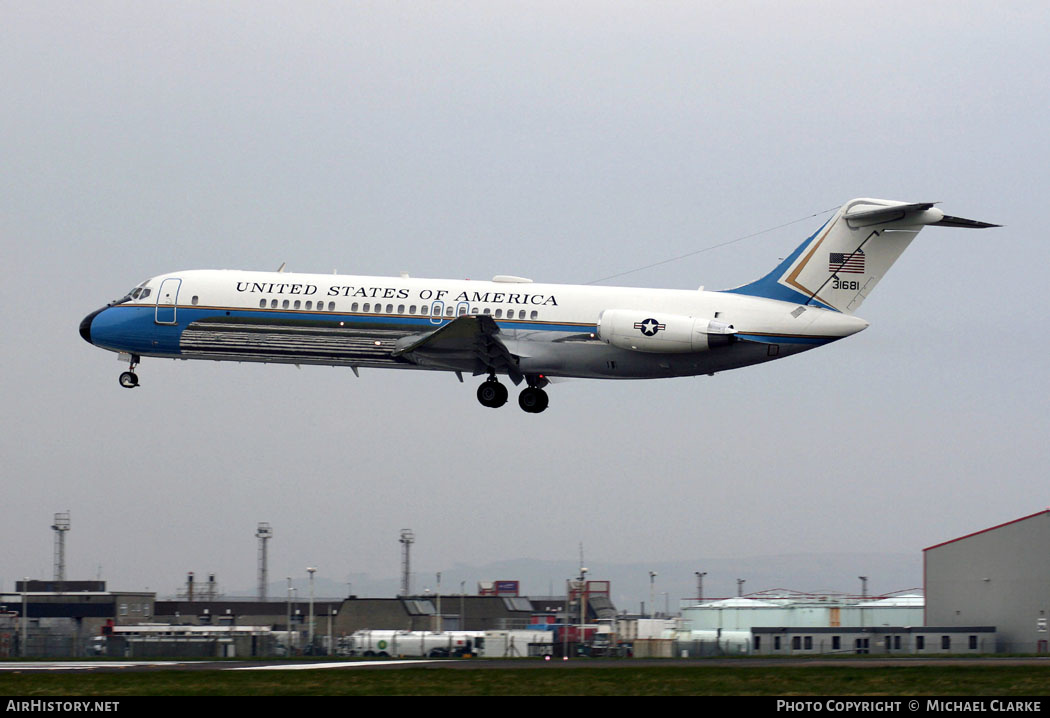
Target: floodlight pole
311	570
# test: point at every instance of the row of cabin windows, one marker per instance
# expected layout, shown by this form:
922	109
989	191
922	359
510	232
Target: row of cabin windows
861	645
377	308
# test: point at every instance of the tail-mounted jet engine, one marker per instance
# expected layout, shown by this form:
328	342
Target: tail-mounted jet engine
661	333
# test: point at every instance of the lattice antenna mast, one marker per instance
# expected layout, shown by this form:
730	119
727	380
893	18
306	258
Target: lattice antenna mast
60	527
407	539
264	533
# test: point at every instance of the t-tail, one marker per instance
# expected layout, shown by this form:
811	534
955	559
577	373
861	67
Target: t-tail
839	266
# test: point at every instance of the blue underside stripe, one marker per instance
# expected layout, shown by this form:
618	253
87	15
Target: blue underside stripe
133	328
785	339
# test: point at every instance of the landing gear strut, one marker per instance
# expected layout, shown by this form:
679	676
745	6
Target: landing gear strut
129	379
492	394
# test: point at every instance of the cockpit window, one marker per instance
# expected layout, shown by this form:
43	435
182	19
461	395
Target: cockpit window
139	292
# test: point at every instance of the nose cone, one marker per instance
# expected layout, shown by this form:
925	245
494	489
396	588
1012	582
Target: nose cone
85	325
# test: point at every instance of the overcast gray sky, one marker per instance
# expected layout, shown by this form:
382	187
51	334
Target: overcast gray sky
559	141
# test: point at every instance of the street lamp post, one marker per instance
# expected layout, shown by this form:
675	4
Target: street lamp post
583	601
652	587
331	612
311	570
25	621
438	602
288	619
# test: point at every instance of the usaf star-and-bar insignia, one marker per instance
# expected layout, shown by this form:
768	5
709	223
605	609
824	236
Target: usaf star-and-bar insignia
649	327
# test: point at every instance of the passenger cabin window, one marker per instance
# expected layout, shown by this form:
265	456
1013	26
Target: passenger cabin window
499	313
194	300
368	306
296	305
273	304
400	308
534	314
331	306
262	304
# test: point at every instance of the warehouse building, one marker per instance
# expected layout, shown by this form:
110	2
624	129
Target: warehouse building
999	576
794	609
62	617
880	640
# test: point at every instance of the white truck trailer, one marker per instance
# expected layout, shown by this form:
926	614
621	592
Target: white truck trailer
413	643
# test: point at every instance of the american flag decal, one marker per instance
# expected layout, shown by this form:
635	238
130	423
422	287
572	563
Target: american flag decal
845	262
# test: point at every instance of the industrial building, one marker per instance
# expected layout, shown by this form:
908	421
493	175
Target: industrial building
999	576
793	609
985	592
880	640
68	620
783	622
62	617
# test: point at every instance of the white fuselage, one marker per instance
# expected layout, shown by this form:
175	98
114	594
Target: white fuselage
551	329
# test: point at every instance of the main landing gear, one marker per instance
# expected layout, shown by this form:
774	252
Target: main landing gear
532	399
129	379
492	394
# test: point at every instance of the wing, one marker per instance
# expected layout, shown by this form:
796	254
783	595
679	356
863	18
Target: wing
468	343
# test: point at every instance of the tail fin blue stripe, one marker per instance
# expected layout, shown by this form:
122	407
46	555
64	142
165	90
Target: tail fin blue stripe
770	287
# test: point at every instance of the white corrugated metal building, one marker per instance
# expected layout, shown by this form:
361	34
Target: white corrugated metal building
791	609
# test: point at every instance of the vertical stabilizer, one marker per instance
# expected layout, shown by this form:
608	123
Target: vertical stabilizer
840	265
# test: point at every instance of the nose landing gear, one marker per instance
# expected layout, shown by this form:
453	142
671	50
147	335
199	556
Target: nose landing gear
129	379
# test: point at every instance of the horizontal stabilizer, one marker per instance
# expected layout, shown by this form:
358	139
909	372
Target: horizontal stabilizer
881	215
965	223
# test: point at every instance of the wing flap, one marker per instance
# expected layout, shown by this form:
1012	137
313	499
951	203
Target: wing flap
467	343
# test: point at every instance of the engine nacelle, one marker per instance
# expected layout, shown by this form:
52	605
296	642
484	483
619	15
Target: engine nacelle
662	333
